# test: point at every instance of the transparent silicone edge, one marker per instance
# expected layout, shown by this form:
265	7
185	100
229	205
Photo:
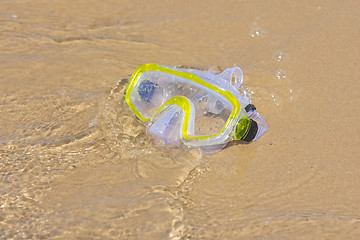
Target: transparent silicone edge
262	126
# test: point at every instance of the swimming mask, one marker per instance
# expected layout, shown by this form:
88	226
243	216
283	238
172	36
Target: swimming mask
192	107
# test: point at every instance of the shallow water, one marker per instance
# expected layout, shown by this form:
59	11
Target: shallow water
75	164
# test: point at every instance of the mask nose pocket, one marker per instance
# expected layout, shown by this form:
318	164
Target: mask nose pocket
175	120
167	125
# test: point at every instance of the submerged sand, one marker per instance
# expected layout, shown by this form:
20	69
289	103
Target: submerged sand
76	165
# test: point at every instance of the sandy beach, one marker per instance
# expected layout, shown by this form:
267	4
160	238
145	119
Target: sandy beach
75	164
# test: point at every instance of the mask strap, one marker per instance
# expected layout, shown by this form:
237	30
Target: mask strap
233	75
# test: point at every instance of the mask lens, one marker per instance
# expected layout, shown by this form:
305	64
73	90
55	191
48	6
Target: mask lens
153	89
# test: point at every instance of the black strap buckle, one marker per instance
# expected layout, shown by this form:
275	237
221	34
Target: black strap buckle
250	107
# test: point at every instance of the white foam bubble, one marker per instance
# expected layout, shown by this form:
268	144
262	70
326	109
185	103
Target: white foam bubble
281	74
280	55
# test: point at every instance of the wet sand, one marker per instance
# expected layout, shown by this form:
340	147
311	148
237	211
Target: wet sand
75	164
